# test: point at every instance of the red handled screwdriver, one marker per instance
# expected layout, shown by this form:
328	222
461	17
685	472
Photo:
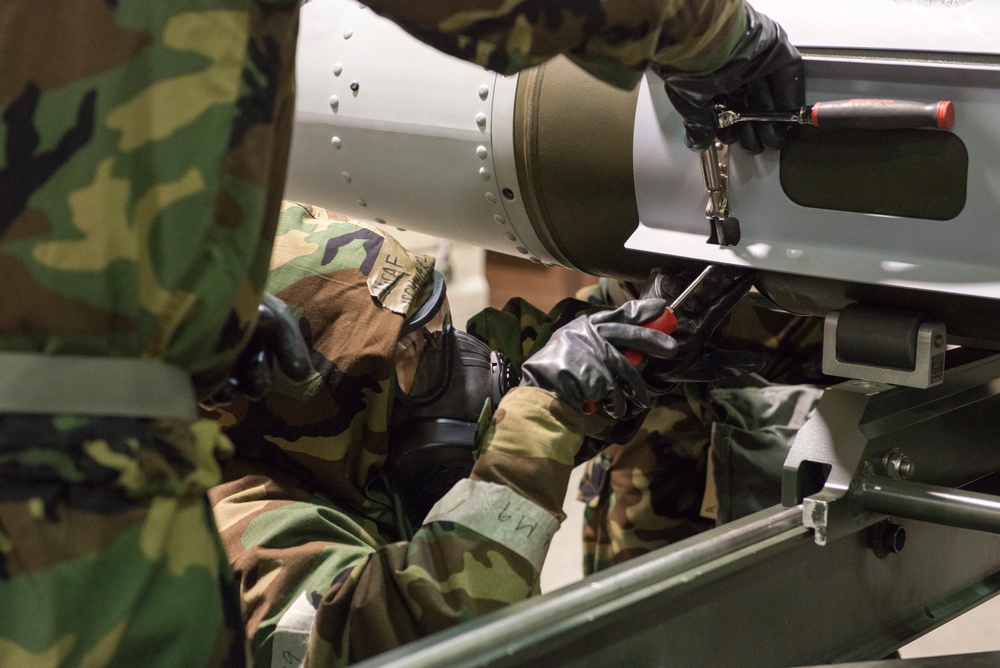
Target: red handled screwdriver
666	322
858	114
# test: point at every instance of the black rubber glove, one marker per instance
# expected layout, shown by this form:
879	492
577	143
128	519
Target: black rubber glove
276	338
764	73
582	362
698	316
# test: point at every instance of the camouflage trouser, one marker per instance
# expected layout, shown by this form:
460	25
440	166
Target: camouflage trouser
109	555
651	491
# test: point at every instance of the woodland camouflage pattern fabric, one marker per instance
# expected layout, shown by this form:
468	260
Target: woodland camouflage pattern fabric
649	491
137	191
506	36
304	515
108	552
142	149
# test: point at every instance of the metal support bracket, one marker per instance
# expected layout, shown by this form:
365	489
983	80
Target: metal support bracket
846	464
828	451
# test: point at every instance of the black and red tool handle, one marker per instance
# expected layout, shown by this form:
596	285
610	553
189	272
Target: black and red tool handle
874	114
666	322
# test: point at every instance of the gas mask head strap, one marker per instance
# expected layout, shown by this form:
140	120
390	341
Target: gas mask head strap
430	307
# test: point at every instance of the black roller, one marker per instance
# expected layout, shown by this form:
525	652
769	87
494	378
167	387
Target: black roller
876	337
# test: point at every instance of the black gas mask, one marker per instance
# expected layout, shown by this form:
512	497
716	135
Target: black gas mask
444	378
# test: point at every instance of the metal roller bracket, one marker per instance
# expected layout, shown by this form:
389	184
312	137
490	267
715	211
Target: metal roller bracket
928	371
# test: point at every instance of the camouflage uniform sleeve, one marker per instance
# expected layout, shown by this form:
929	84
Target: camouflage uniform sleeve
612	39
324	585
530	447
144	157
322	582
518	330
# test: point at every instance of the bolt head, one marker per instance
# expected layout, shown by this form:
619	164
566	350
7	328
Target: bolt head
895	539
887	538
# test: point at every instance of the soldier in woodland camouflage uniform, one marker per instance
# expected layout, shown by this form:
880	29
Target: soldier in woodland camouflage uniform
307	476
143	153
651	491
328	573
143	148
